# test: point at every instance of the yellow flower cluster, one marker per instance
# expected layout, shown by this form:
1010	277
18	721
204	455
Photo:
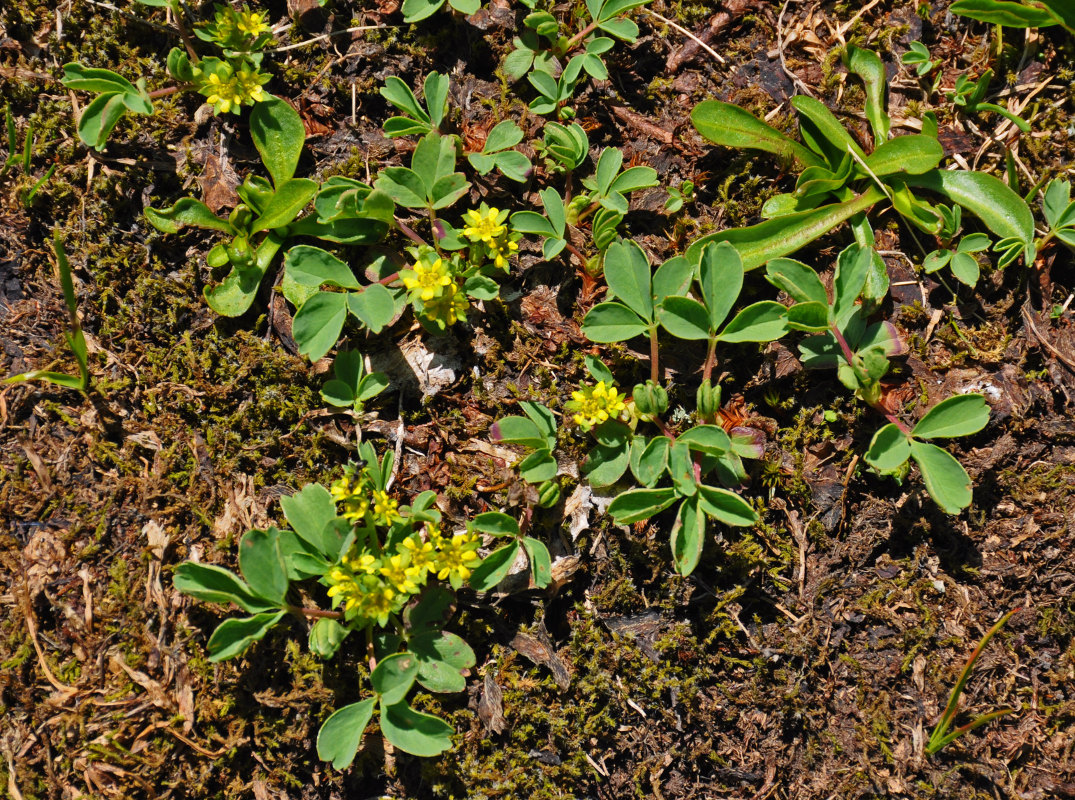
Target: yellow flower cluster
228	90
236	30
593	405
360	500
433	284
428	278
252	23
373	588
486	227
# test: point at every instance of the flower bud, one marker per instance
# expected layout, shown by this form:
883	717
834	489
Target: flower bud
650	399
548	494
708	399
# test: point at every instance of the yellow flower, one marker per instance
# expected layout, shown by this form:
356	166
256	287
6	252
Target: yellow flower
400	575
450	308
252	23
484	224
223	94
385	509
593	405
422	554
353	495
501	250
378	603
455	557
427	280
249	85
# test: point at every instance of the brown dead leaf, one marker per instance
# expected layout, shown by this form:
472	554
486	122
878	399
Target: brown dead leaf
491	706
538	649
218	181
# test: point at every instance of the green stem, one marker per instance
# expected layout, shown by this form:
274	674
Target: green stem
849	356
654	368
710	359
574	41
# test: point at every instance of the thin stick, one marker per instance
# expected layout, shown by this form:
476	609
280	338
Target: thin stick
328	36
686	33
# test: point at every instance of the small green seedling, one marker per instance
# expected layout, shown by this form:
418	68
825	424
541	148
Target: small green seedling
431	182
115	96
564	147
495	566
678	196
1059	210
76	340
418	118
918	57
941	736
959	259
25	195
968	97
351	385
497	153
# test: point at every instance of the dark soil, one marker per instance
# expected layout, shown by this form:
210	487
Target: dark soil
808	657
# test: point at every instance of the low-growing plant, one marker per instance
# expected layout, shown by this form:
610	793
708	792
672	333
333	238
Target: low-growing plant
76	339
968	96
1023	14
941	736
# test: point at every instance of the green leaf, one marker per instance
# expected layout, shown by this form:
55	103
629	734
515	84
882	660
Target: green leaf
607	463
822	132
513	165
465	7
1003	211
673	277
99	118
399	94
415	10
728	507
532	222
914	154
504	134
1002	12
867	65
613	8
640	504
608	166
623	29
889	449
374	307
403	185
494	567
312	266
496	523
309	512
317	325
537	467
414	732
186	211
684	318
652	460
797	279
279	135
518	430
720	277
290	198
340	736
91	79
442	658
632	179
481	287
233	636
946	480
708	439
688	536
262	564
785	235
681	469
212	584
765	321
612	322
730	126
852	269
449	189
960	415
543	418
540	561
965	268
394	676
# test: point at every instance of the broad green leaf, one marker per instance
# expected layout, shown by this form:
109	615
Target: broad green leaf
233	636
784	235
414	732
726	506
494	567
186	211
435	86
720	277
608	165
99	118
465	7
852	269
513	165
1003	12
730	126
621	28
823	132
290	198
235	294
309	512
965	268
403	185
765	321
554	209
606	464
960	415
640	504
279	135
415	10
681	469
868	66
496	523
889	449
598	370
442	658
374	306
688	536
543	418
632	179
394	676
532	222
504	134
612	322
312	266
946	480
684	318
1062	10
540	561
797	279
91	79
1003	211
317	325
518	430
708	439
262	564
448	190
812	317
628	274
340	736
673	277
651	461
399	94
614	8
537	467
213	584
404	126
914	154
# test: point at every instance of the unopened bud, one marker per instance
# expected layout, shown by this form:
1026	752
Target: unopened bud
548	494
708	399
650	399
